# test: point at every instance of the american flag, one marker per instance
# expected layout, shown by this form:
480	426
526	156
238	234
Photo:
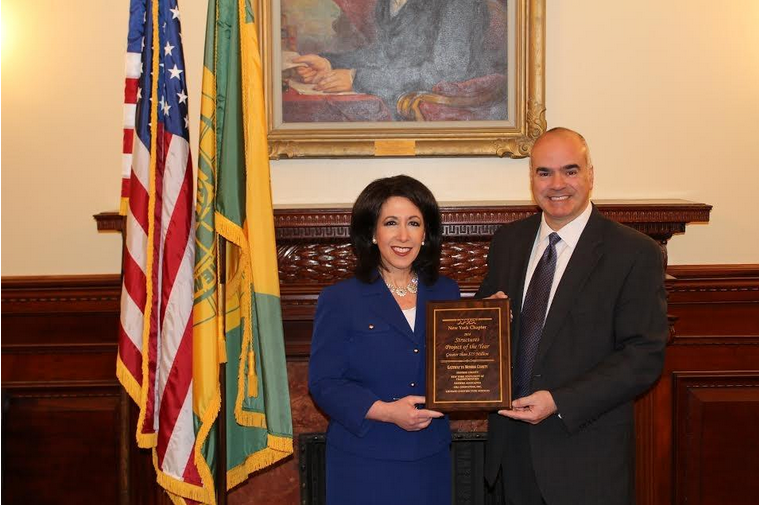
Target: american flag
155	341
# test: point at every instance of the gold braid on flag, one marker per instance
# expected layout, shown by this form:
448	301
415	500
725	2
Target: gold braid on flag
260	234
147	440
208	334
208	329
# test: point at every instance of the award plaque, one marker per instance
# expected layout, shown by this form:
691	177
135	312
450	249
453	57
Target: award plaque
468	355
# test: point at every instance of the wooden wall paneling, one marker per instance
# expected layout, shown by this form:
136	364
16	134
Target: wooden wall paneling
704	342
58	352
715	300
646	439
313	252
703	357
57	441
64	422
716	442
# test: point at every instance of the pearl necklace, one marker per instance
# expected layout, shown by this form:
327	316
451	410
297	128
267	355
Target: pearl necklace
411	287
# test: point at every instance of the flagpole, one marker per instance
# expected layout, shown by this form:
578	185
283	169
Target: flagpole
221	431
125	431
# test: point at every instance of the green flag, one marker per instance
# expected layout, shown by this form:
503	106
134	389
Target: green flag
234	203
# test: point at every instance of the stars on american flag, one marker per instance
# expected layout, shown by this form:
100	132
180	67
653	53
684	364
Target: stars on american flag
165	107
175	72
172	86
171	82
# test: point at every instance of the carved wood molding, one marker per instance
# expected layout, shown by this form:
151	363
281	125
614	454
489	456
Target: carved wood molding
313	247
60	293
716	305
59	347
714	271
63	389
720	288
314	251
460	220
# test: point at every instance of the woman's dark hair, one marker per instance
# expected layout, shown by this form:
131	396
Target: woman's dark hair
366	212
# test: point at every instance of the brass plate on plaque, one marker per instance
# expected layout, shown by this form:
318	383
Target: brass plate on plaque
468	355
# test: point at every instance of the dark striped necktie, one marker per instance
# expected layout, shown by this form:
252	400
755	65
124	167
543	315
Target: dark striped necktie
533	317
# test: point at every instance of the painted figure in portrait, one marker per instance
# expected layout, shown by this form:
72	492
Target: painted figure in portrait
393	60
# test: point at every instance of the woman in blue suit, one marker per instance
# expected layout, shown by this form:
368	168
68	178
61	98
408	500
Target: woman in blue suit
367	368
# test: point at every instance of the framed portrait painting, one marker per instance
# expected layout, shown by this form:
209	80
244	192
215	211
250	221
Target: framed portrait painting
403	77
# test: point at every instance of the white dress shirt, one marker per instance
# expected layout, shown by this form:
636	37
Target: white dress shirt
570	235
410	316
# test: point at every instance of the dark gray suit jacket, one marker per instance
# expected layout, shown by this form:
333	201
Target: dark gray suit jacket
602	345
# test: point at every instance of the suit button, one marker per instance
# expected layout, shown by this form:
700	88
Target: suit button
413	384
416	351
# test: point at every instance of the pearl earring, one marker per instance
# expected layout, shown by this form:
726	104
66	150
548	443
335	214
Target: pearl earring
374	240
422	242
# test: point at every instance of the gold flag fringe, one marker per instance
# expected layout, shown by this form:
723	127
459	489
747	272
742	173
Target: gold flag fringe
146	440
277	449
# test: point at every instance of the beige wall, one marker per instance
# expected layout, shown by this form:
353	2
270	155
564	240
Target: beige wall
667	94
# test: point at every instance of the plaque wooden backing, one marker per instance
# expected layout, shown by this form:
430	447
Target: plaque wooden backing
460	346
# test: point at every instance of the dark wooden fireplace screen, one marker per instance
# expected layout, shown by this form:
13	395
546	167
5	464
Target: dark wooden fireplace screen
467	470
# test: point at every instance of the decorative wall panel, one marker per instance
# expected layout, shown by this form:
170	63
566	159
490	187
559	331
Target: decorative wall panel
61	398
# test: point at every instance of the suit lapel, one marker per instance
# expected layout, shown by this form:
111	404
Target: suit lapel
582	263
518	270
386	308
423	295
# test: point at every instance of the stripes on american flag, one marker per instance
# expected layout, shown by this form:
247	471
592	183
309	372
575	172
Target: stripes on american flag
132	71
135	165
155	343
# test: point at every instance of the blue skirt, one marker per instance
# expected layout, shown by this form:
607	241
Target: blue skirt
356	480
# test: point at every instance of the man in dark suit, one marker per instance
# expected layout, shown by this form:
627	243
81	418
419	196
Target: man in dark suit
589	331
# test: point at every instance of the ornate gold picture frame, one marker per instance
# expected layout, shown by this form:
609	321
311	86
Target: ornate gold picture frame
495	112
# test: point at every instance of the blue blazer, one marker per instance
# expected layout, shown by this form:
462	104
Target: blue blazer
364	350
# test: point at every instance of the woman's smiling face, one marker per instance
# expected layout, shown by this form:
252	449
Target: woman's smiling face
399	234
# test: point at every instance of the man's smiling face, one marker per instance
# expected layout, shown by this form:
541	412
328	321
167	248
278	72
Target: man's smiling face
560	177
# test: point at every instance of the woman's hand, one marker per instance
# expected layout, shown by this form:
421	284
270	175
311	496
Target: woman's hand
403	413
314	65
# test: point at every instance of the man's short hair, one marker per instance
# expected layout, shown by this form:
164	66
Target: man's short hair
566	131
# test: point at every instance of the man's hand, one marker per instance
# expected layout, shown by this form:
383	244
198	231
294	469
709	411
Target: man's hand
315	65
334	81
501	295
531	409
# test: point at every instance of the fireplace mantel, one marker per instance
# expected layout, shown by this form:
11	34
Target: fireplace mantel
313	246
